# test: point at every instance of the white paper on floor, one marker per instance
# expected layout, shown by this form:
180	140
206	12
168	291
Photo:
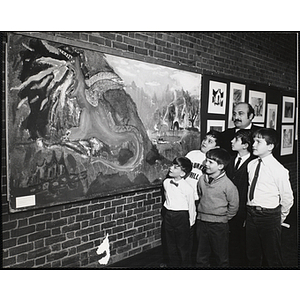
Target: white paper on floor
104	247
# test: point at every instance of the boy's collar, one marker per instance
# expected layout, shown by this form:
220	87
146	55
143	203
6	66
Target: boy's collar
244	156
248	127
219	176
177	180
265	157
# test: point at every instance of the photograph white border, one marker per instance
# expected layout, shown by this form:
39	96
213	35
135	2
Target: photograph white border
262	95
234	86
270	107
218	123
287	149
286	99
215	108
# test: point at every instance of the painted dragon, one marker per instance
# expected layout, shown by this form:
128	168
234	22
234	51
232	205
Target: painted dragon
74	110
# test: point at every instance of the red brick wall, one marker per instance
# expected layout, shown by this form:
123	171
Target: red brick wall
68	235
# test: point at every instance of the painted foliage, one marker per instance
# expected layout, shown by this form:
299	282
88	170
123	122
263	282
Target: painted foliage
78	129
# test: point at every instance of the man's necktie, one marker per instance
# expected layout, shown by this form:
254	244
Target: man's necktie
254	180
210	179
173	182
237	164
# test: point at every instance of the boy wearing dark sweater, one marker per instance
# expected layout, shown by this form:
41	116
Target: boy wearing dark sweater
219	202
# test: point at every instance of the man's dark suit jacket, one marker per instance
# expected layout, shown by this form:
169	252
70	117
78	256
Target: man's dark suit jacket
227	136
240	179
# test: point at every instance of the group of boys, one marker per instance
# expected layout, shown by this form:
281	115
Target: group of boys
233	192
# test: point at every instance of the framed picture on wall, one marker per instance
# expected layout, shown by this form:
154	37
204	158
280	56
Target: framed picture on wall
236	95
68	144
217	97
271	115
287	139
218	125
288	109
258	102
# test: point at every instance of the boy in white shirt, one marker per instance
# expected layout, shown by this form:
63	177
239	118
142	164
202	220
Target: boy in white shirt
270	198
180	213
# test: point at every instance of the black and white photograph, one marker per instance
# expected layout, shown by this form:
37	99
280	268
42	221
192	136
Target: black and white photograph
272	115
236	95
218	125
217	97
258	102
167	151
288	109
287	139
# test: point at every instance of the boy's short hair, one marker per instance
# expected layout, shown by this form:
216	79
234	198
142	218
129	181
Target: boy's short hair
185	164
220	155
269	134
216	135
246	137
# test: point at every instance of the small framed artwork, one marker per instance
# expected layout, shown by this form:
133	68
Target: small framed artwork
271	115
218	125
288	109
287	139
258	102
217	97
236	95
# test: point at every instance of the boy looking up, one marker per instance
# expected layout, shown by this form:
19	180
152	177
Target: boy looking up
236	171
219	202
197	157
270	198
180	213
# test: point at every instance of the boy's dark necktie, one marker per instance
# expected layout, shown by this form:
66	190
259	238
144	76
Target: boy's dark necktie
237	164
253	183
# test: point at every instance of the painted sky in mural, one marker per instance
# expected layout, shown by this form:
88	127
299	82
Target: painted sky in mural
155	82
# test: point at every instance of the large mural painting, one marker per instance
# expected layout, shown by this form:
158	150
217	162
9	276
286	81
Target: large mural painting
82	124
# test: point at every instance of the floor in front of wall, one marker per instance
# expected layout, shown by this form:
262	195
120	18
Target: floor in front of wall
153	258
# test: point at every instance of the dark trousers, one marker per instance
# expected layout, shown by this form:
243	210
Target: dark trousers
193	245
263	236
212	240
237	241
176	227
